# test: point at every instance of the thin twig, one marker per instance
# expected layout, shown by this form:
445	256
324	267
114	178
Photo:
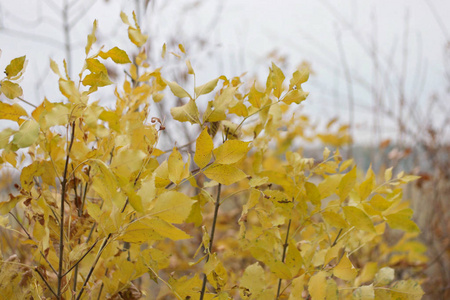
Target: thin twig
61	225
93	265
285	245
45	281
78	261
211	240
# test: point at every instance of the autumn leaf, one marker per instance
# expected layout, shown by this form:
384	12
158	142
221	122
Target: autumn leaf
203	149
10	89
224	174
230	152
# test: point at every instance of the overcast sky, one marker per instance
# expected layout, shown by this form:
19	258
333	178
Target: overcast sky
378	45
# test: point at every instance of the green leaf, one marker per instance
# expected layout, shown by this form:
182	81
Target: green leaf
356	217
117	55
28	134
10	89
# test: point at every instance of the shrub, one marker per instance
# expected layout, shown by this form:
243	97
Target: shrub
245	216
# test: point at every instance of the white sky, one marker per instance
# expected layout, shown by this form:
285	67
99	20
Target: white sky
410	43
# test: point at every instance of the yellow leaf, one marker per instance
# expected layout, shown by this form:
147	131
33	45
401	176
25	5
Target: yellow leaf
10	89
151	229
402	221
257	181
5	136
127	161
294	259
406	290
206	88
7	206
136	36
230	152
347	183
90	39
124	18
332	290
224	174
379	203
12	112
299	77
95	66
345	270
15	67
358	218
298	286
164	50
97	80
28	134
117	55
186	113
367	186
55	68
177	90
280	270
203	149
312	192
316	285
181	47
388	174
68	89
173	207
177	169
329	185
275	80
189	66
252	282
295	96
368	272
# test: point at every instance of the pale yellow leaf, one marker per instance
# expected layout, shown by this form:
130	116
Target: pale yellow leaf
356	217
173	207
231	152
345	270
224	174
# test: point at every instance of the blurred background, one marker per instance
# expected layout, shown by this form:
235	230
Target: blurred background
380	75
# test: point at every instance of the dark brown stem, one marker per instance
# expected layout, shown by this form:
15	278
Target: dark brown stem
93	265
61	222
45	281
285	245
336	239
211	240
78	261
